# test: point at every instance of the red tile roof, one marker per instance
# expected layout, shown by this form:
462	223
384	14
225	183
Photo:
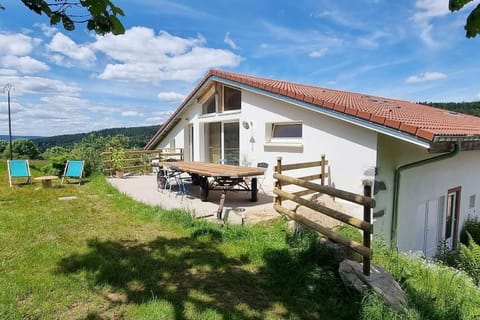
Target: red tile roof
419	120
413	118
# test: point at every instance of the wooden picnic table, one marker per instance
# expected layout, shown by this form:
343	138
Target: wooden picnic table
225	177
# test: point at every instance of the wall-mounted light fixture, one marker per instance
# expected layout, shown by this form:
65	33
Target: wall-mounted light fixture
246	125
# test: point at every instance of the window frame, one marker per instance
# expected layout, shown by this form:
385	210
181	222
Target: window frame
207	102
224	98
273	139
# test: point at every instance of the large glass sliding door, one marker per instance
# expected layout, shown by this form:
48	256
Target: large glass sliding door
214	141
222	142
231	142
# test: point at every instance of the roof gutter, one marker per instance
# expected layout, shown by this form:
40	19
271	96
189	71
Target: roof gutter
396	186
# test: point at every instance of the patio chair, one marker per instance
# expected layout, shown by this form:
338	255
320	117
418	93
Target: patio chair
167	177
262	178
18	169
73	170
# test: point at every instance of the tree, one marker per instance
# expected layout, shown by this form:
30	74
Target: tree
472	25
23	149
101	15
3	145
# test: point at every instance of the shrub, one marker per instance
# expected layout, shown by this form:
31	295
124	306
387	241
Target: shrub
56	166
471	226
23	149
445	255
469	259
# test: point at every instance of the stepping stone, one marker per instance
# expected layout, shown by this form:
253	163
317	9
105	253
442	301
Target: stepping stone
67	198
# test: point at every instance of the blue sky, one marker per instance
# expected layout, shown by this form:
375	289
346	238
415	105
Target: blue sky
70	82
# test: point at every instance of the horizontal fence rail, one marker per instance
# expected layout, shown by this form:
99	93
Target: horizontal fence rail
138	160
310	187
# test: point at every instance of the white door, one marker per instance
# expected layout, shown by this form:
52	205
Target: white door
452	215
432	218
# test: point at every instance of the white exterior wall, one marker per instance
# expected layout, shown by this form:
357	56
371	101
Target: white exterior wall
422	188
350	150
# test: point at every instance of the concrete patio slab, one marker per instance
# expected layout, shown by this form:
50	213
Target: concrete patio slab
238	208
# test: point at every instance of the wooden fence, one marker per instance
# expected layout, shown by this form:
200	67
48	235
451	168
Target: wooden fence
139	160
310	187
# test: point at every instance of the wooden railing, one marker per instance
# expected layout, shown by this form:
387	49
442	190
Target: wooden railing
138	160
364	200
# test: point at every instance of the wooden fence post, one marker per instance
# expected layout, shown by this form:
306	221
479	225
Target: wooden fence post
278	183
323	170
367	192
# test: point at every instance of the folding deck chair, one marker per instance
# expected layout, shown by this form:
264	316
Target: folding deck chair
73	170
18	169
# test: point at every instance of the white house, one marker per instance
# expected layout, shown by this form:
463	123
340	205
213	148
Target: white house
425	162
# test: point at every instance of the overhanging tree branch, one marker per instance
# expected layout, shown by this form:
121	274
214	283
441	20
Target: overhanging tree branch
472	26
101	16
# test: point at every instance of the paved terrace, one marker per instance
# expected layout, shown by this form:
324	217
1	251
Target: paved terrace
238	208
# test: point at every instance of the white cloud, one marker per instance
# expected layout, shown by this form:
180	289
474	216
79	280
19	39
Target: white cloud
230	42
171	96
46	29
64	45
427	10
17	44
24	65
40	85
8	72
372	41
291	41
318	53
132	114
141	56
427	76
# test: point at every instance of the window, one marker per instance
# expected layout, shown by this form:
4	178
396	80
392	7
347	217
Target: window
471	202
289	133
232	99
209	106
282	131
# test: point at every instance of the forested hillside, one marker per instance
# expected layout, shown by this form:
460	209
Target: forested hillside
472	108
138	137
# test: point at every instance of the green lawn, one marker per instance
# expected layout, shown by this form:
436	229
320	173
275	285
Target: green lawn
105	256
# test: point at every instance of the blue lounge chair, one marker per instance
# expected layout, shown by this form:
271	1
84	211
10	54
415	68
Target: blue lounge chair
18	169
73	170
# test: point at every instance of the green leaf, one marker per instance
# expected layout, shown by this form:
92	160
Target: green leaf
117	27
473	23
34	5
91	25
55	18
67	23
455	5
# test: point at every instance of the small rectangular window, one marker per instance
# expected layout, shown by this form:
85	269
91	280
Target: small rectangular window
209	106
284	130
232	99
284	133
471	202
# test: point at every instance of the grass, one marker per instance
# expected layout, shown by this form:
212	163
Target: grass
105	256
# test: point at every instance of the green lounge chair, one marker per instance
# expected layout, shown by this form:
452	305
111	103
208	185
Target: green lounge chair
18	169
73	170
